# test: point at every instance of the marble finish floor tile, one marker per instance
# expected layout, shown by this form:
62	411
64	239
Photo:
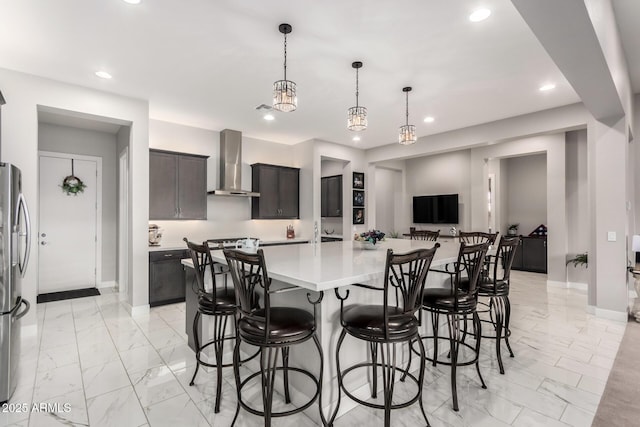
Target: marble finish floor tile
116	369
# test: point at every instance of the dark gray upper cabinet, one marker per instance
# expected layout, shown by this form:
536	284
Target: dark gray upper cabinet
331	196
177	185
279	188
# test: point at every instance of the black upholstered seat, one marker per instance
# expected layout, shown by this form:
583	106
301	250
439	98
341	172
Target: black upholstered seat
287	325
368	321
223	302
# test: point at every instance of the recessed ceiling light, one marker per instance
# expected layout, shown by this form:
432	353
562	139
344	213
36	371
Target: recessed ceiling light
479	15
132	1
356	138
103	74
429	119
269	117
547	87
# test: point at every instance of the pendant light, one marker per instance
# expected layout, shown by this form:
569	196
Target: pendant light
284	91
407	132
357	116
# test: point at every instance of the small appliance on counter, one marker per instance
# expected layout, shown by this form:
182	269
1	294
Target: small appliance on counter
155	235
291	233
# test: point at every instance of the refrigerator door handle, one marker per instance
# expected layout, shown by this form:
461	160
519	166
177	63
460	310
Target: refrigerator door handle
22	204
25	311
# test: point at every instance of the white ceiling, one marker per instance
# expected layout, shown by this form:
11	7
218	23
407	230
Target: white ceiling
210	63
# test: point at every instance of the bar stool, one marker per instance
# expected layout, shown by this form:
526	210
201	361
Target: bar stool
475	237
496	287
386	325
219	303
273	330
425	235
457	304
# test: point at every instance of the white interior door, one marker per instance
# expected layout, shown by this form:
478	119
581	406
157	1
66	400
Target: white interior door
67	236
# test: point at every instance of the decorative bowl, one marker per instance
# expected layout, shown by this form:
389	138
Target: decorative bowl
365	244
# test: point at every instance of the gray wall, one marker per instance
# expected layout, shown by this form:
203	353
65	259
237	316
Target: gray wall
388	185
64	139
577	201
447	173
527	192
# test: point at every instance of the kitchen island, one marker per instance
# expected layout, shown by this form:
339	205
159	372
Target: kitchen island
315	268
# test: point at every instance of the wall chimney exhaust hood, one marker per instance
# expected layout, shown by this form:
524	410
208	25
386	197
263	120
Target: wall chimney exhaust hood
231	166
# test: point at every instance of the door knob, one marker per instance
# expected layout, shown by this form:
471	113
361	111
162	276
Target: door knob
43	243
44	234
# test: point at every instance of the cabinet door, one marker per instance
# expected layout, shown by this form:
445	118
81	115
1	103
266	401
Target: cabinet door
289	189
535	255
166	278
265	180
163	197
192	187
335	196
517	258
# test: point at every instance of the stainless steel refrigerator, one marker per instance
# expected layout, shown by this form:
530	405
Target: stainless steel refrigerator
15	241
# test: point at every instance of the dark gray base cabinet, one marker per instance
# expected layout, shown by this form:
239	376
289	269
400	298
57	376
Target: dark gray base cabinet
531	255
279	188
166	277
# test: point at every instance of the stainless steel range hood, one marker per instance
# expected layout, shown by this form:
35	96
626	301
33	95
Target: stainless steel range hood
231	166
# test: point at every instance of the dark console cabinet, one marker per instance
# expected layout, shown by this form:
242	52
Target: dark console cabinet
531	255
166	277
279	188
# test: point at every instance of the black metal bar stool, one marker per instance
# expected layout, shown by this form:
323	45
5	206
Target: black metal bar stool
496	288
274	330
384	326
219	303
457	304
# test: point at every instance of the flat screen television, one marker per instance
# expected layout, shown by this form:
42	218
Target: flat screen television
439	209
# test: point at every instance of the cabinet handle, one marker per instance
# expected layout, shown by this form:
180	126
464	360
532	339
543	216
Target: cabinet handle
168	255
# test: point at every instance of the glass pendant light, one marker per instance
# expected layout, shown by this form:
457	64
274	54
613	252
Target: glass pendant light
357	116
407	134
285	98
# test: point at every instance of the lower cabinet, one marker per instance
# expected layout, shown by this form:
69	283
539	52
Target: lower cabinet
531	255
166	277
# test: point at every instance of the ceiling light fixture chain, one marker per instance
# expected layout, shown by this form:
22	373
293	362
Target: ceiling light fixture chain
285	56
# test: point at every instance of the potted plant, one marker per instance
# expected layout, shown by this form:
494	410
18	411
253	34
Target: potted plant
512	230
579	259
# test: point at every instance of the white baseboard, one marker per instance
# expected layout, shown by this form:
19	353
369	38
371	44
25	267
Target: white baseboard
107	284
567	285
137	310
578	285
557	284
619	316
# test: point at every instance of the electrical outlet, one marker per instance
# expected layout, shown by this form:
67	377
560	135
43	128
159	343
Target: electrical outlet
611	236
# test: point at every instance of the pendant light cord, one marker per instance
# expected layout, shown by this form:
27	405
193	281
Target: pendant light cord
357	86
285	56
72	173
407	109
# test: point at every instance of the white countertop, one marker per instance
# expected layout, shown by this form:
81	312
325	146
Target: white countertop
172	246
333	264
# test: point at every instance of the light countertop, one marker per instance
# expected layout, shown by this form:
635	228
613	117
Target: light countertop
172	246
333	264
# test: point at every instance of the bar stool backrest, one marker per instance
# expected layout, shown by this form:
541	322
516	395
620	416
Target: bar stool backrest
249	274
473	237
425	235
506	253
470	259
201	258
